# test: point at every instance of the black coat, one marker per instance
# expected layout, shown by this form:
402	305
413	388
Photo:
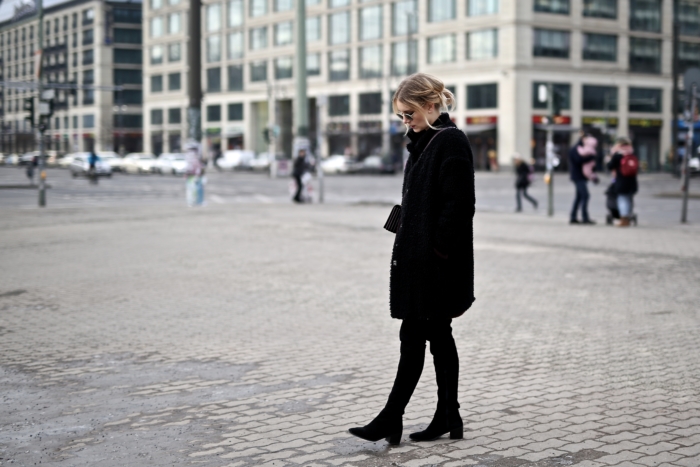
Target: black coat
576	162
432	264
522	178
623	185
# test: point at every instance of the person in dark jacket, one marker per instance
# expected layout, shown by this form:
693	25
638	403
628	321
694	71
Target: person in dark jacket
625	186
581	154
297	172
432	263
522	181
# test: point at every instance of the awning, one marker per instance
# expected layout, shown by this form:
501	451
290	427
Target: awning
470	129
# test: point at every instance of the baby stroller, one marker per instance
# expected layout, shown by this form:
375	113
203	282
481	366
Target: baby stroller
611	204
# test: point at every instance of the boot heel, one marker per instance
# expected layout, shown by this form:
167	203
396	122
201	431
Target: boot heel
457	433
394	439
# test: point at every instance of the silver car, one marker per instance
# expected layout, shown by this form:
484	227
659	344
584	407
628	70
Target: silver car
80	166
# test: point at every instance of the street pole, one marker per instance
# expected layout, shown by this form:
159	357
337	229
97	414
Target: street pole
194	75
320	104
301	107
42	127
674	98
550	151
688	154
271	117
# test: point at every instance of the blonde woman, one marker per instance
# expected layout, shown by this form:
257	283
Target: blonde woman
432	265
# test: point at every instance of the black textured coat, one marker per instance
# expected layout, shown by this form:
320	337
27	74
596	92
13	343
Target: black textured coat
432	264
623	185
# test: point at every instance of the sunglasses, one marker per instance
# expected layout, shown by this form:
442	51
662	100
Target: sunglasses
406	115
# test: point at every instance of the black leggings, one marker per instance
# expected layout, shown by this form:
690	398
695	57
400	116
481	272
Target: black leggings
414	334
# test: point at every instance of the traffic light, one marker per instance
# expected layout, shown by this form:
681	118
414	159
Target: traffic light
28	106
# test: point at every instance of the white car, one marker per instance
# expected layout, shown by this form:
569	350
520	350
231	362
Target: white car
261	162
139	162
694	165
337	164
80	166
112	159
12	159
170	163
236	159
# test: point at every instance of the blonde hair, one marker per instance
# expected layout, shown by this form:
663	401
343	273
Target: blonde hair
420	89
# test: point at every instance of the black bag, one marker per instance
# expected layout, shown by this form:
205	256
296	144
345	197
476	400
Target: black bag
392	223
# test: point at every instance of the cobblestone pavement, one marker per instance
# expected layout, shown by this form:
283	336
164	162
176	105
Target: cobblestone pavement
241	335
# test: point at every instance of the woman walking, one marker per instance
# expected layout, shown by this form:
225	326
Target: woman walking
432	265
523	173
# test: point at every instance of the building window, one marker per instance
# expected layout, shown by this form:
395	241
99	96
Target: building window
213	113
601	47
258	8
551	43
123	15
156	116
313	29
157	83
88	97
88	121
313	64
258	71
213	79
689	18
338	3
127	36
371	103
600	98
235	13
404	58
283	33
127	77
128	96
157	26
560	7
339	65
156	54
482	7
339	28
482	96
75	122
173	23
213	48
214	17
371	23
441	10
644	100
88	36
258	38
442	49
645	15
235	77
174	53
688	55
88	16
130	56
88	57
600	9
174	115
561	91
404	17
235	45
173	81
283	5
128	121
235	111
338	106
645	55
283	68
156	4
312	2
482	44
371	62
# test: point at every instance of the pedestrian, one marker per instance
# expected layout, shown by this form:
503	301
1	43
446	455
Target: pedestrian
523	176
583	153
625	166
92	163
194	171
30	169
298	171
432	266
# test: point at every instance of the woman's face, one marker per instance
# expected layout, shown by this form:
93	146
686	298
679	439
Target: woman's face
419	122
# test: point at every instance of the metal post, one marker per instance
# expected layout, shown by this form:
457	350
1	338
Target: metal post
688	154
550	151
42	128
271	117
320	103
194	75
301	107
674	95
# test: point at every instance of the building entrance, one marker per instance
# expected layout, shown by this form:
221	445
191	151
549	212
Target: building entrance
646	142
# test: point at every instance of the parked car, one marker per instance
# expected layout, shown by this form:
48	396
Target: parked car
379	165
51	157
338	164
170	163
236	159
80	166
12	159
112	159
694	165
261	162
139	162
65	161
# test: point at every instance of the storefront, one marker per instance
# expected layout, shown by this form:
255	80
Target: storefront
339	138
646	139
562	135
483	136
369	138
234	137
157	143
213	142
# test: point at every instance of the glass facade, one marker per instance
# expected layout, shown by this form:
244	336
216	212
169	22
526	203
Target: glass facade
213	48
235	45
441	10
174	23
283	68
560	7
645	15
442	49
214	17
645	55
551	43
688	55
157	26
600	8
313	64
284	5
235	13
283	33
404	19
371	23
599	98
339	28
339	65
482	45
482	96
371	62
313	29
689	18
258	71
601	47
258	8
645	100
482	7
404	58
235	77
258	38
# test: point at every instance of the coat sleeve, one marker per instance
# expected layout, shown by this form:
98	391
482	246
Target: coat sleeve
614	163
456	211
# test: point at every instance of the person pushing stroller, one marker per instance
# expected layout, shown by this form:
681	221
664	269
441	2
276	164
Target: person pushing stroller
620	194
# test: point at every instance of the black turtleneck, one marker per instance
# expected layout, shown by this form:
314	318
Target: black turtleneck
421	139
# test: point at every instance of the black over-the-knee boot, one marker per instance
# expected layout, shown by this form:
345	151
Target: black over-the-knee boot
446	418
389	424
